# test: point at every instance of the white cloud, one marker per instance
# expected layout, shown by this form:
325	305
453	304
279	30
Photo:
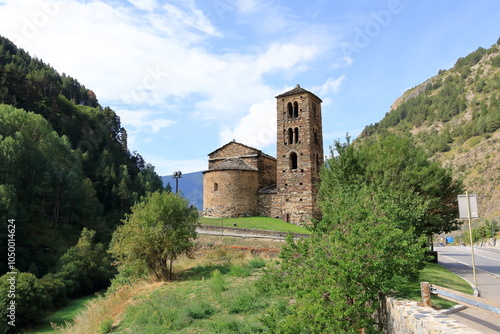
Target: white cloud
281	56
187	16
156	59
152	56
148	5
256	129
247	6
331	86
144	120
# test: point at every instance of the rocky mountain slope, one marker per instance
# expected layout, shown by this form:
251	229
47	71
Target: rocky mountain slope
455	115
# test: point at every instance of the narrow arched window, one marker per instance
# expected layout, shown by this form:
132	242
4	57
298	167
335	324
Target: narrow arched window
316	136
293	160
290	109
216	187
290	136
296	135
295	109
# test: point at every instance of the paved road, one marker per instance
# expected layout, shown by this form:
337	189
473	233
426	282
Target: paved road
459	261
487	258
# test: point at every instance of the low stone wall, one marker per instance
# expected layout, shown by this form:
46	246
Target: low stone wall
409	318
250	231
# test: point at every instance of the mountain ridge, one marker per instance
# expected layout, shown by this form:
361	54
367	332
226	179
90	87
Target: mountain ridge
455	116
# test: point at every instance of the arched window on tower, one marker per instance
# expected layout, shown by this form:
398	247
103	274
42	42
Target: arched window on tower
295	109
293	160
290	136
216	187
316	136
290	109
296	135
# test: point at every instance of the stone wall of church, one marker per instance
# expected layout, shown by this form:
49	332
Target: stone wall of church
269	205
230	193
267	171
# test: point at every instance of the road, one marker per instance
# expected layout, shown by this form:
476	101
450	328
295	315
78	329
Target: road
487	258
459	260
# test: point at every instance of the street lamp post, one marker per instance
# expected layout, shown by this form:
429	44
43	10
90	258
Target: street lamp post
176	176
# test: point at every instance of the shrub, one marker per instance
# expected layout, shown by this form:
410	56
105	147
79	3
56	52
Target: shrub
219	284
200	311
239	271
86	267
56	291
31	299
256	263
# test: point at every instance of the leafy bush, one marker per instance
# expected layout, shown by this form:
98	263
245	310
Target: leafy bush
31	299
256	263
56	290
86	267
156	232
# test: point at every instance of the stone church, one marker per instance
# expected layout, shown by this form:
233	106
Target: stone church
243	181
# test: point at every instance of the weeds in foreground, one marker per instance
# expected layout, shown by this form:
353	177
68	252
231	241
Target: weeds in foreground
215	293
226	301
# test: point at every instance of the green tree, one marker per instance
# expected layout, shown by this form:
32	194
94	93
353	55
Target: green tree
85	267
394	166
379	198
337	275
158	230
31	300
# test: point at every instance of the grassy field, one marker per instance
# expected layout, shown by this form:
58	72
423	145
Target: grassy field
434	274
215	293
214	298
260	223
60	317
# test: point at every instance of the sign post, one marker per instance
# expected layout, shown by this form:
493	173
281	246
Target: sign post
467	207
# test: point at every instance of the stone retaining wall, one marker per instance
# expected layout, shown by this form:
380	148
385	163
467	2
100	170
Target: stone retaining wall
407	317
250	231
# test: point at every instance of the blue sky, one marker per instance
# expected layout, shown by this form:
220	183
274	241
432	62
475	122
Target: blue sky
188	76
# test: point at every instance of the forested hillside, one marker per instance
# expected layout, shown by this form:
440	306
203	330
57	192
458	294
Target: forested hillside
455	115
64	162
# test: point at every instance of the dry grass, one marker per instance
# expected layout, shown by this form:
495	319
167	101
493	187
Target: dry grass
211	251
107	308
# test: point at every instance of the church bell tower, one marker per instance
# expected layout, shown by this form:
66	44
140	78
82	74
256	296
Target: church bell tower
299	154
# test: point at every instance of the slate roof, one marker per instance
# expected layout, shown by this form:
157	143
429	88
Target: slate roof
297	90
233	142
232	164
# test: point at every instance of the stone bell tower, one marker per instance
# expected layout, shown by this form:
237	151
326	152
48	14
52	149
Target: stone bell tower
299	154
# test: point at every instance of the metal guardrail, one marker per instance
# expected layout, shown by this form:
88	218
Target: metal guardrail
455	296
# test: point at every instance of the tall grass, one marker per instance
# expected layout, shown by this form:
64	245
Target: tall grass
223	300
98	315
